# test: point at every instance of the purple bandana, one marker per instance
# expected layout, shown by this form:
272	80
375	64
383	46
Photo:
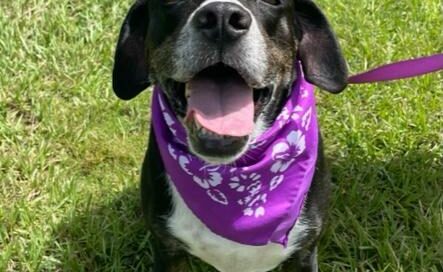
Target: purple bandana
258	198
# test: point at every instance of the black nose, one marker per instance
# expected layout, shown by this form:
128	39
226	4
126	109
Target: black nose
222	21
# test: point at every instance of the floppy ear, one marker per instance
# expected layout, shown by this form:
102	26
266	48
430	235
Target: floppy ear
130	75
319	51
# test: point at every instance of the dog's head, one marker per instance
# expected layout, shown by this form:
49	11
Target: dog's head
225	65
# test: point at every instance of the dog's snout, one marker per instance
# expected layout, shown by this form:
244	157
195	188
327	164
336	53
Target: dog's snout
222	21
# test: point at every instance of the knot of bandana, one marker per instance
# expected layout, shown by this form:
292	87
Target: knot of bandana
257	199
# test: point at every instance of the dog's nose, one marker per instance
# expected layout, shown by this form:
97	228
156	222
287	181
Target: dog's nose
222	21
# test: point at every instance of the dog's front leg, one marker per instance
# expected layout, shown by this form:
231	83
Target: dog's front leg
167	261
177	264
171	265
302	261
168	252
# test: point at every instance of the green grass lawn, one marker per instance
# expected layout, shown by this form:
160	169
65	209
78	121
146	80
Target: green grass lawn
70	151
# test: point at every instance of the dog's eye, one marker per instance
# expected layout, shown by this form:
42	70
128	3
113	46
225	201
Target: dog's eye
272	2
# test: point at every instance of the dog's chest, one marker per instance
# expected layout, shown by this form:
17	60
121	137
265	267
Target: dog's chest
223	254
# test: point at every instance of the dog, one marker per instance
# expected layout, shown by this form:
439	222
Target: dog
170	43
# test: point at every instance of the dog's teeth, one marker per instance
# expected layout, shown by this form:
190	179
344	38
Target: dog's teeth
187	92
203	132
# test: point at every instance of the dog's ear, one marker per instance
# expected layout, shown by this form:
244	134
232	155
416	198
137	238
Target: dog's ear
130	75
319	51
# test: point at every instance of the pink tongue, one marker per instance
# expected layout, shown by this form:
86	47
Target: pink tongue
225	108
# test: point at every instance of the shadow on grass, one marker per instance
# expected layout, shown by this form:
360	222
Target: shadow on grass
385	214
377	207
111	237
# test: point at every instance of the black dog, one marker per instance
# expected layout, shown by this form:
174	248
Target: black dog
170	42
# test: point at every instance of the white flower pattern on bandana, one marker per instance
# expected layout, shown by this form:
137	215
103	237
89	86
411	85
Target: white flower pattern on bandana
285	115
256	144
254	205
217	196
284	153
304	92
172	152
252	193
207	177
239	183
276	181
306	119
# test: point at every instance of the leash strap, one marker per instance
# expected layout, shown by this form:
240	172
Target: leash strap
399	70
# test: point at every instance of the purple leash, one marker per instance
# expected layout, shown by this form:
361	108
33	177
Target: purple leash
399	70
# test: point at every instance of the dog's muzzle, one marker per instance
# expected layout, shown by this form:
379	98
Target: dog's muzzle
219	78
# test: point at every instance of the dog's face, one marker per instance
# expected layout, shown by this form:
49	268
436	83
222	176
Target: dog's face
225	65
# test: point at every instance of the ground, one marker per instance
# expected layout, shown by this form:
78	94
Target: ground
71	151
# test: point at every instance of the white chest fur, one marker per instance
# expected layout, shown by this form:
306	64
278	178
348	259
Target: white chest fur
223	254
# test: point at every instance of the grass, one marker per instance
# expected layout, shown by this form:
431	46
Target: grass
71	152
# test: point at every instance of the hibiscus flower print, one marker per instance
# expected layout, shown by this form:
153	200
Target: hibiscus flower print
184	161
253	198
207	177
258	212
304	92
285	115
256	144
172	152
255	206
284	153
306	119
276	181
217	196
241	182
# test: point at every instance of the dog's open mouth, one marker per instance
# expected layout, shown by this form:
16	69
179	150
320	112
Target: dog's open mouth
221	102
221	109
